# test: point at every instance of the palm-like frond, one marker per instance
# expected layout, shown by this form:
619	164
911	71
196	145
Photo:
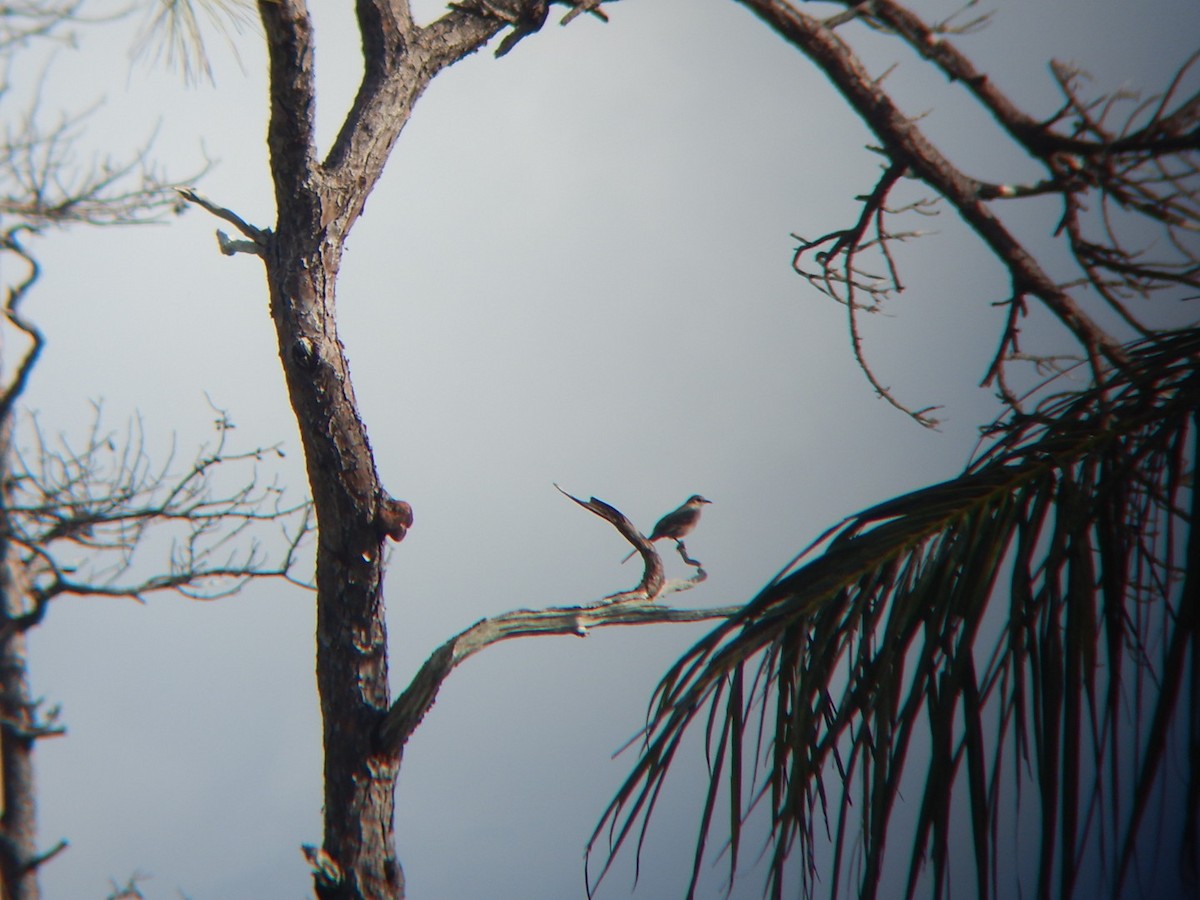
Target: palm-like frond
1030	628
174	33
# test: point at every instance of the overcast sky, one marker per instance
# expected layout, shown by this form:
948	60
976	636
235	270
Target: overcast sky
575	270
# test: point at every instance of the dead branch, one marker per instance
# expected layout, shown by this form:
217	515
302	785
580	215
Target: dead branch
1119	162
41	183
15	293
635	606
257	236
418	698
23	22
84	518
839	277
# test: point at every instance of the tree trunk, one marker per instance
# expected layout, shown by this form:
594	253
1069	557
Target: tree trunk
303	256
351	633
18	823
317	205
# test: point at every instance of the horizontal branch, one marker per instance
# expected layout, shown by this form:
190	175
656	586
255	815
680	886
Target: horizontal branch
87	520
629	608
632	607
188	583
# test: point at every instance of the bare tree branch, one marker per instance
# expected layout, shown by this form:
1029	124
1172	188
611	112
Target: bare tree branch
631	607
84	518
257	235
1162	191
839	277
41	184
418	698
22	21
97	519
15	293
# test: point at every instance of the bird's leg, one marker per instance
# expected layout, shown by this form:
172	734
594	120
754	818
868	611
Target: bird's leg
683	554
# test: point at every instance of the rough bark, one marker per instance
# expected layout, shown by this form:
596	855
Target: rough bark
351	634
317	204
19	728
18	824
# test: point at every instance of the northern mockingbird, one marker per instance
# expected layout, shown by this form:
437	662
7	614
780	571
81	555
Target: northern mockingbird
676	524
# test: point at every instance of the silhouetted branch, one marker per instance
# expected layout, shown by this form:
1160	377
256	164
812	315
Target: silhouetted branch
84	517
1119	163
1071	535
41	184
15	294
839	277
90	520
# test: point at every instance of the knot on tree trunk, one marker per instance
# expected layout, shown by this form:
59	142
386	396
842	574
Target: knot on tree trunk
393	517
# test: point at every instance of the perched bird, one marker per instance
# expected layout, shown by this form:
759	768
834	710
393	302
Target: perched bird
676	524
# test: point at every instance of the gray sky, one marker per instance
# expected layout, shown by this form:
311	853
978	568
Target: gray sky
576	270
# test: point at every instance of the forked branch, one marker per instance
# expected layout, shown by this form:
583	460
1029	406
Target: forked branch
257	237
839	276
630	607
82	519
1119	162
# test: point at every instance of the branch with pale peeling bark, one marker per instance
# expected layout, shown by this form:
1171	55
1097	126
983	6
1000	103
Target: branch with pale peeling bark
257	236
636	606
418	698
